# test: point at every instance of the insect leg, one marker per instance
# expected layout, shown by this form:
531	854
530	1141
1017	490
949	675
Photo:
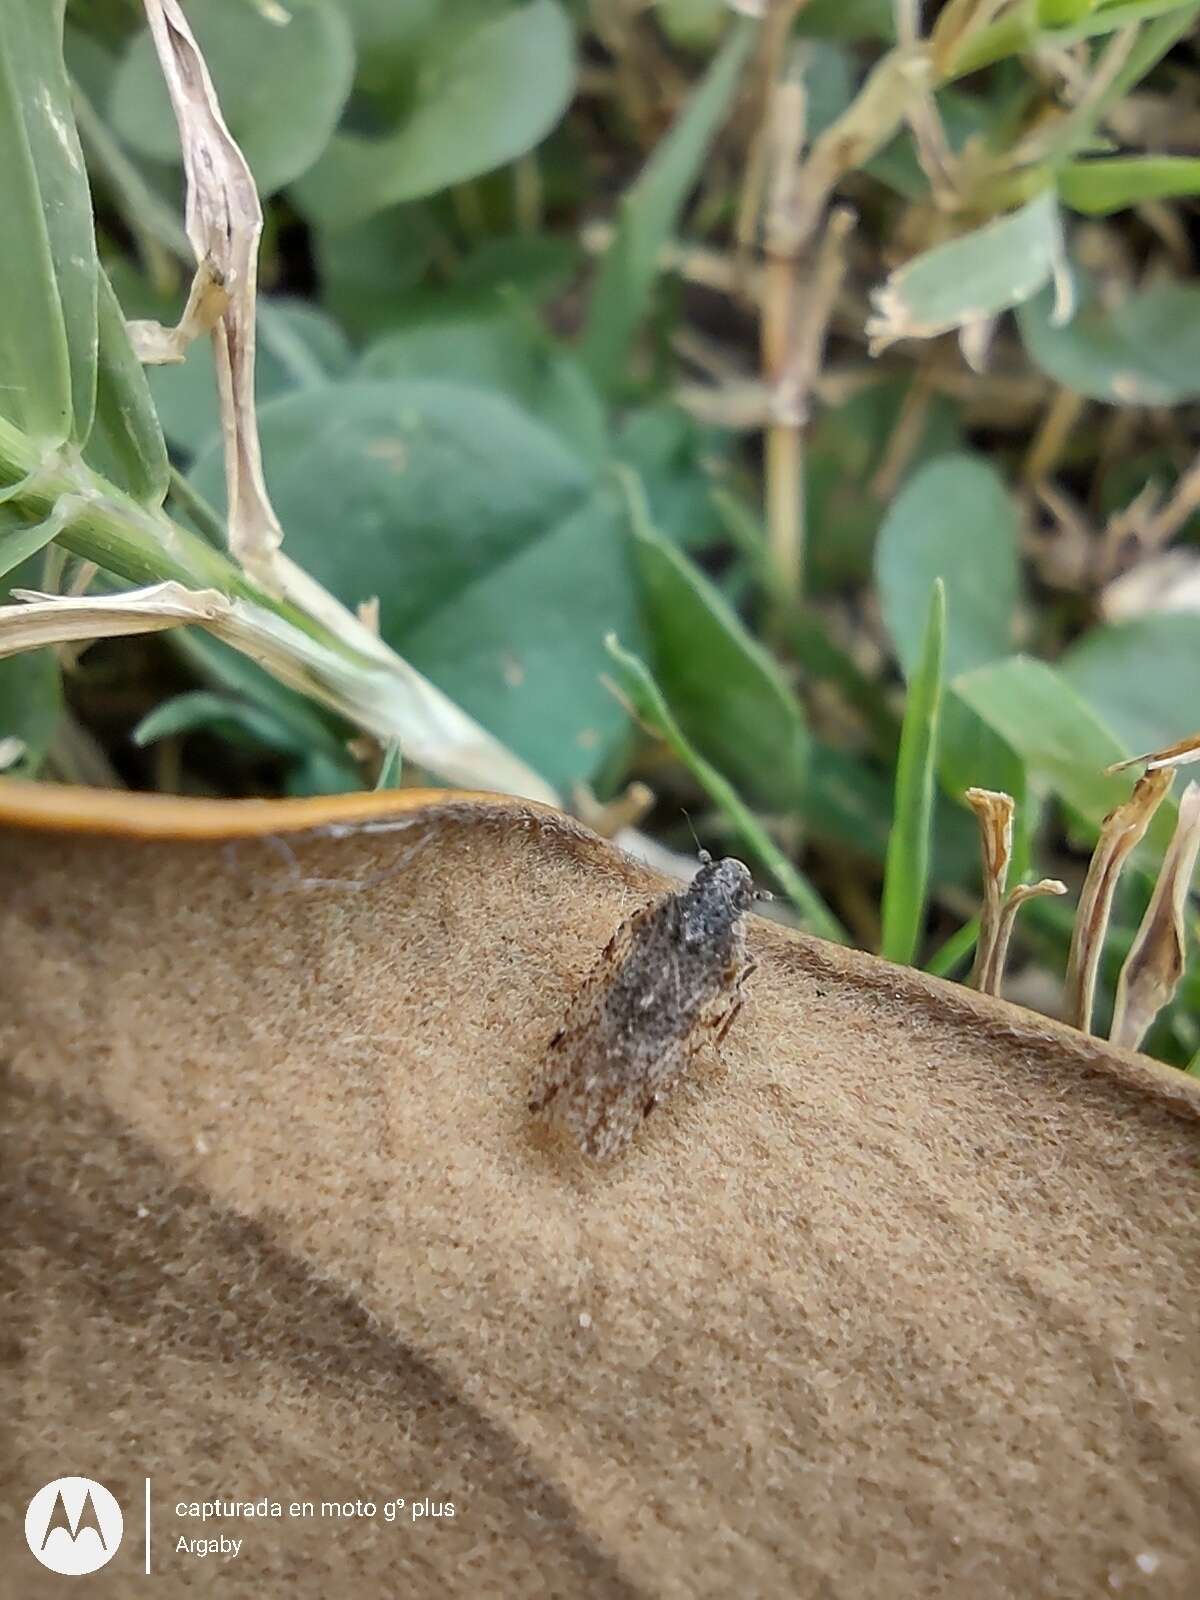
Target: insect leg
541	1100
728	1020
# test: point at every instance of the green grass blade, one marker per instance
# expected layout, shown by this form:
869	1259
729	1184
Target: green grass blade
646	698
390	768
955	951
649	214
906	879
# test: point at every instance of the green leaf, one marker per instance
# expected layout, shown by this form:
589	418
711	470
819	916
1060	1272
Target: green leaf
846	447
848	19
366	270
522	647
726	692
48	268
953	520
281	85
484	94
31	697
20	539
1104	184
226	716
318	773
387	38
406	490
1062	13
693	24
487	351
391	768
126	442
506	351
906	877
315	728
649	215
978	275
30	705
1107	18
1150	44
496	566
647	699
1145	351
1142	678
678	461
318	765
1060	738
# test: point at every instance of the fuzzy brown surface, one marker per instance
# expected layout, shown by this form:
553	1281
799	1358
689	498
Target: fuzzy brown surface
898	1299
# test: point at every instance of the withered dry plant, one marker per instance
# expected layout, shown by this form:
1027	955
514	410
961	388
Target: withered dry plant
1151	972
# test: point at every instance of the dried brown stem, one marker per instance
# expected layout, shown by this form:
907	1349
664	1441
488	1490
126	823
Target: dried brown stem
1121	831
1156	958
1178	754
991	981
994	809
784	466
777	23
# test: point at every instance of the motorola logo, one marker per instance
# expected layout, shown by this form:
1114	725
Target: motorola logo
73	1526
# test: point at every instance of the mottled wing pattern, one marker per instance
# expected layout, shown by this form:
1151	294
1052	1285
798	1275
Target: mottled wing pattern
634	1025
583	1087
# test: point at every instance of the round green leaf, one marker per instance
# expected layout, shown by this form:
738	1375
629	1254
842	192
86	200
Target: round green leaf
31	697
1142	678
407	490
498	568
954	520
1145	351
30	706
482	96
523	650
504	351
282	85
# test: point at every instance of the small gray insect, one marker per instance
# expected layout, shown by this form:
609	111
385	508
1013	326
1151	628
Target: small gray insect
670	978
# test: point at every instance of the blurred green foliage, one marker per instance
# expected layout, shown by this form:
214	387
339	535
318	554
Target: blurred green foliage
521	434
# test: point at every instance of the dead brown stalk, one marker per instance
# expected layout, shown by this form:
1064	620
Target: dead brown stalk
994	809
1156	958
1121	831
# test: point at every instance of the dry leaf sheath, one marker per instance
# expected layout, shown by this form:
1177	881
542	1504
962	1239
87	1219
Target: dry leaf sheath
669	979
224	221
1156	958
